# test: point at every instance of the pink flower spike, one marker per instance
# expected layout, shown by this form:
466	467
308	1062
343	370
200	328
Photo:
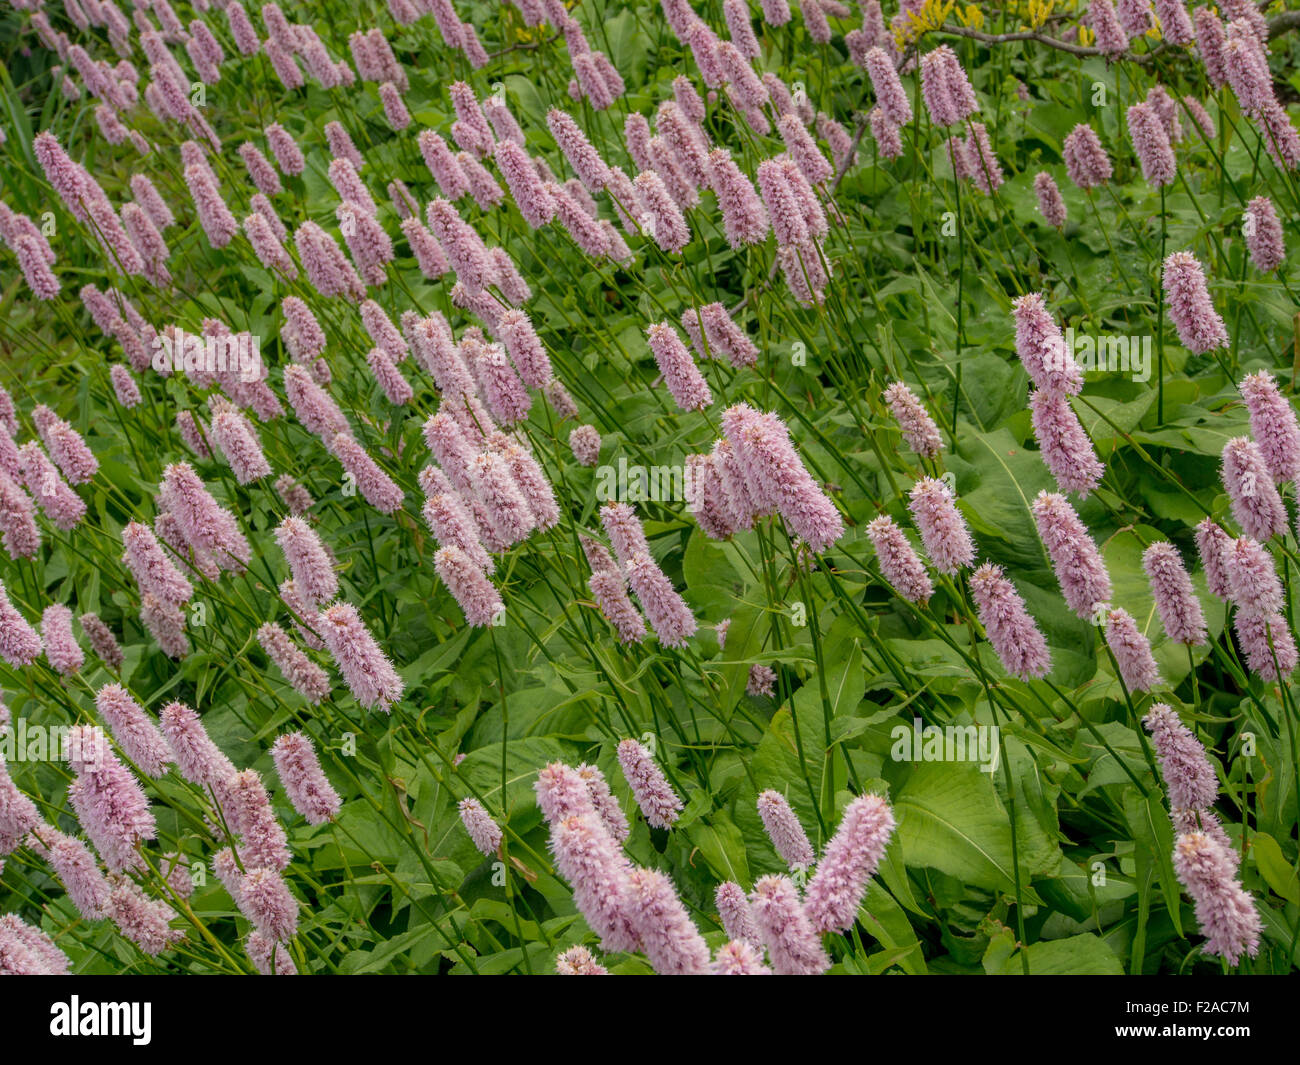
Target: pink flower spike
19	642
899	563
784	830
943	530
485	832
303	780
1171	588
915	423
1189	778
737	919
792	942
1080	571
850	860
62	651
469	585
1256	504
1225	911
682	377
1063	443
303	675
365	668
668	937
578	961
1132	651
1015	637
1190	309
658	802
137	735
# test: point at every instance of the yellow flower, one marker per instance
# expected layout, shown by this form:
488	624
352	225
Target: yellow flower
933	15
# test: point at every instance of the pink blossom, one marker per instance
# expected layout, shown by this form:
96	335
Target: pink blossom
899	563
782	205
1085	159
945	88
850	860
166	624
1015	637
578	150
303	675
733	908
1210	43
1079	568
653	794
1050	204
1132	651
21	535
1252	577
610	593
50	491
1041	347
1134	16
662	217
667	935
1188	775
485	832
265	899
1151	143
1063	443
891	97
137	735
793	944
915	423
1171	588
107	799
443	166
587	857
303	780
889	142
102	641
578	961
1264	235
784	830
141	919
19	642
76	868
1225	912
943	530
453	525
203	521
744	217
1256	505
1110	36
215	217
365	668
65	445
375	486
1267	644
681	376
61	648
464	248
604	803
666	610
468	584
288	156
